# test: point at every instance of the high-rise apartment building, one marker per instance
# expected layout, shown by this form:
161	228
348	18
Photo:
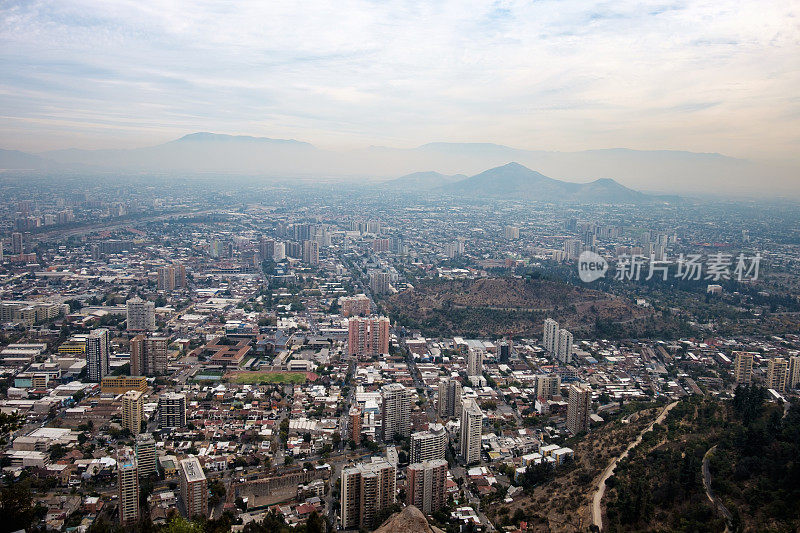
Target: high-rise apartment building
580	398
550	335
511	232
149	355
97	348
366	490
171	277
146	458
449	400
132	411
428	445
194	488
426	484
777	373
280	252
171	410
793	375
16	243
357	305
311	252
474	362
128	488
743	367
564	347
471	427
355	424
379	281
547	386
368	336
395	411
141	315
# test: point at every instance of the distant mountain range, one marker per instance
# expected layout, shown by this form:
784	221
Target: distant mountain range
661	170
515	181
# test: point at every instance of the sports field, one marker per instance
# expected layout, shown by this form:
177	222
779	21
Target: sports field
256	378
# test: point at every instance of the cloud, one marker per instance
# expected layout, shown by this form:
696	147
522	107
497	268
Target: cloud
705	76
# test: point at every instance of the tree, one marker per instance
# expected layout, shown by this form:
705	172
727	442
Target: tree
15	507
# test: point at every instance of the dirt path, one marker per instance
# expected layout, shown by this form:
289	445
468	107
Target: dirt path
597	510
710	493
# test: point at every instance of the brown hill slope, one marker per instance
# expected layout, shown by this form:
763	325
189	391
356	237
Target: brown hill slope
409	520
515	306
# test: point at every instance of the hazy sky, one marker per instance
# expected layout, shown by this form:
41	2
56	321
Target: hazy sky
718	76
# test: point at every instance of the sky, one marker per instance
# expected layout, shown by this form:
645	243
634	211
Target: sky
717	76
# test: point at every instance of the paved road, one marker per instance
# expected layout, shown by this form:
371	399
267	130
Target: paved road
710	493
597	510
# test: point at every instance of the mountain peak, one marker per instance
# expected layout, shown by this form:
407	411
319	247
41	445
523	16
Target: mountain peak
205	136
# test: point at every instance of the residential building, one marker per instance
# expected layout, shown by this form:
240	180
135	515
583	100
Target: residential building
470	435
194	488
358	305
395	411
132	411
428	445
97	352
580	397
355	424
793	375
474	362
368	336
777	373
564	347
149	355
379	281
547	386
146	454
128	488
141	315
743	367
426	485
550	335
311	252
171	410
449	400
366	490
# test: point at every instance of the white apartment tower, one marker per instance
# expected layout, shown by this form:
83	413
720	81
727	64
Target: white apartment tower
471	427
474	362
550	335
564	347
395	411
428	445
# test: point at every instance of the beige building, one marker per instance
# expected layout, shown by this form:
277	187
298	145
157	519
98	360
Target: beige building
366	490
580	397
793	376
146	454
777	374
743	367
132	411
194	488
395	411
426	485
149	355
471	429
428	445
128	488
